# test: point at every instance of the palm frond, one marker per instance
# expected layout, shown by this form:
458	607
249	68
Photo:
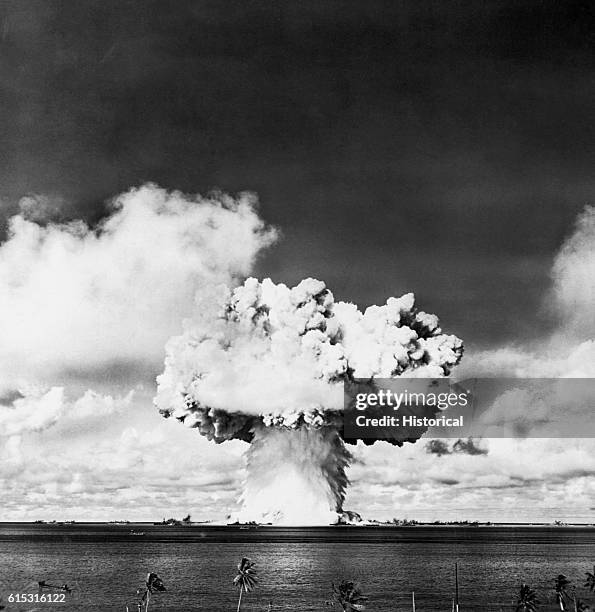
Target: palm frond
561	584
247	577
349	595
527	601
154	583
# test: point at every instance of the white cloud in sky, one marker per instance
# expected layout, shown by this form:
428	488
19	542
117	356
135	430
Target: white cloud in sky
75	298
34	412
518	480
569	351
573	275
129	463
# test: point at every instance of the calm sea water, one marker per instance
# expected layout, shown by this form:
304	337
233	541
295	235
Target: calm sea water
107	563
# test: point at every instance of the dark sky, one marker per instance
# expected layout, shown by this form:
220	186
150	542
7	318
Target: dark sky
440	147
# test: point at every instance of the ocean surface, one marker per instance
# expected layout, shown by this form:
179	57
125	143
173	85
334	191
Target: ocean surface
105	564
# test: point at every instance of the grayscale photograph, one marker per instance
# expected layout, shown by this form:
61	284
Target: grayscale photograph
297	306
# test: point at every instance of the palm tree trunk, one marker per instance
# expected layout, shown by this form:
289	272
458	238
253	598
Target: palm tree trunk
240	599
456	586
148	599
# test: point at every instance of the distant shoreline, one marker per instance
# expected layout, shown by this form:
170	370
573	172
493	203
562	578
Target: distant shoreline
236	526
138	534
133	534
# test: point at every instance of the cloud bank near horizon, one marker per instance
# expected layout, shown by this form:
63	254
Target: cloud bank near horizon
55	281
85	313
548	470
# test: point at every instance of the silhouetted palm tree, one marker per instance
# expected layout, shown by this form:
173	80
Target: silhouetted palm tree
528	601
349	596
561	584
153	584
590	583
246	579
